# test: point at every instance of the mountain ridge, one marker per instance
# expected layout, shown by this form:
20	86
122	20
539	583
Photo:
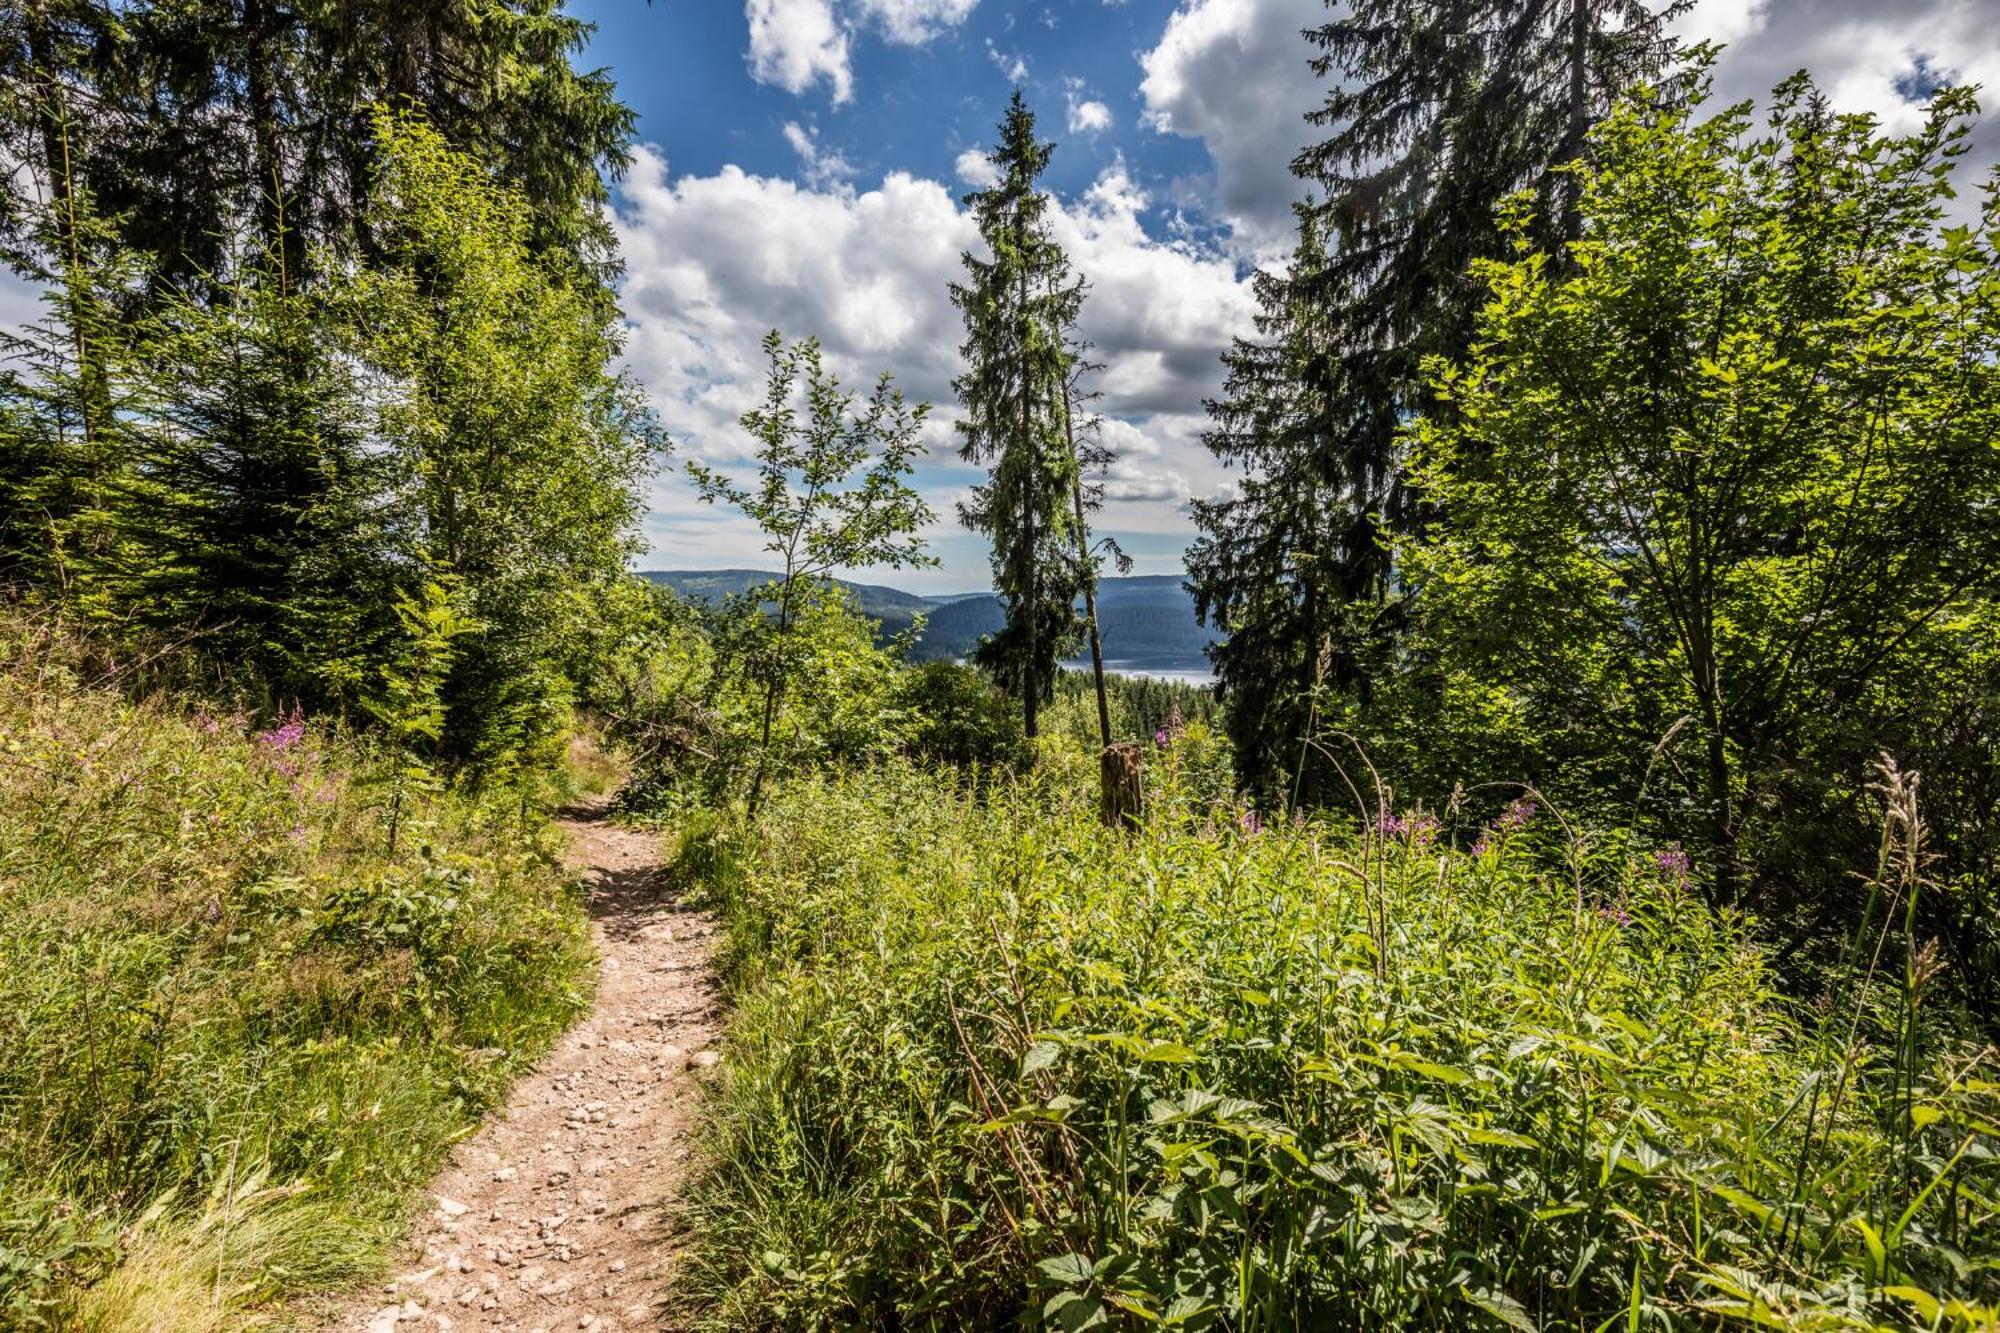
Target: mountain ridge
1147	621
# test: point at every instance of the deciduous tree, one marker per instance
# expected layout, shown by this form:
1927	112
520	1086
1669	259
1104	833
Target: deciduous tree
1718	494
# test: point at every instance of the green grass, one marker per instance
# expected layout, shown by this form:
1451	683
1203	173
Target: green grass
235	1034
993	1066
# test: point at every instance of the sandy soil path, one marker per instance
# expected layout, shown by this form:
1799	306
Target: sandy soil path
549	1218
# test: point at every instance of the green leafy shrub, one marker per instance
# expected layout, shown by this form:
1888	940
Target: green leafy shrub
707	720
995	1065
235	1031
960	717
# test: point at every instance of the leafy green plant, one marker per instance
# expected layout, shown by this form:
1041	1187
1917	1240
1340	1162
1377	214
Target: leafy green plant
832	493
237	1030
994	1064
410	706
1717	500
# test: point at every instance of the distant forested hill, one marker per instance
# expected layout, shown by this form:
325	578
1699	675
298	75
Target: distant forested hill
894	608
1147	620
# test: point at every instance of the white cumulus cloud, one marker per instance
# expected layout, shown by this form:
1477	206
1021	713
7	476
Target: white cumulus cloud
974	167
795	44
1234	74
914	22
713	262
817	166
1086	115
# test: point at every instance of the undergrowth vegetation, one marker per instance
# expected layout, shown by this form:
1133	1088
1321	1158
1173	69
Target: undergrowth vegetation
993	1064
236	1031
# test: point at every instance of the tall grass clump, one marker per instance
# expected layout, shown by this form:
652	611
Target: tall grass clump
236	1030
994	1066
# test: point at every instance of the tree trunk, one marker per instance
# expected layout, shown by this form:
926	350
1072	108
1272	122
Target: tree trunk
1707	673
1089	574
772	689
1031	697
1579	116
52	125
1122	783
267	160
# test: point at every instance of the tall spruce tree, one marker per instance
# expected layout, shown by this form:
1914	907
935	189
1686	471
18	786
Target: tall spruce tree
190	118
1440	110
1020	304
258	512
1278	561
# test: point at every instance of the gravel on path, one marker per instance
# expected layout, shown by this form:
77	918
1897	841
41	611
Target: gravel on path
550	1216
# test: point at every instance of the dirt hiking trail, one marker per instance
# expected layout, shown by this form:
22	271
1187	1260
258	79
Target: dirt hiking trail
549	1217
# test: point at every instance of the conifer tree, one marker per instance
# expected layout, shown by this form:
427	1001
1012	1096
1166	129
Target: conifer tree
1279	560
1440	111
258	511
186	117
1020	303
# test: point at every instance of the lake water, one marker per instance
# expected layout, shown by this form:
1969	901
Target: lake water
1186	675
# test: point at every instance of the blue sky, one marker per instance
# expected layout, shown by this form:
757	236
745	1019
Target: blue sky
803	161
909	106
776	160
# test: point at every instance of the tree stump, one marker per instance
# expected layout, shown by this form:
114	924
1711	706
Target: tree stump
1122	791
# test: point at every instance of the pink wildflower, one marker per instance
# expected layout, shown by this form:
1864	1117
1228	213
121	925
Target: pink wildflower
286	734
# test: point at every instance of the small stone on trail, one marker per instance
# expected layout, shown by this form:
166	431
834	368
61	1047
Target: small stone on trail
505	1174
450	1207
706	1059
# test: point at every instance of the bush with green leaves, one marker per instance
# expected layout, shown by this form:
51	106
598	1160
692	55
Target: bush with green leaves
994	1065
960	717
237	1031
703	720
1713	509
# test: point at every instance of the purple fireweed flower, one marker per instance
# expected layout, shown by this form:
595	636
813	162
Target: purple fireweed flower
1673	862
1516	815
1616	915
1481	847
1250	822
1418	827
285	735
1160	737
205	722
